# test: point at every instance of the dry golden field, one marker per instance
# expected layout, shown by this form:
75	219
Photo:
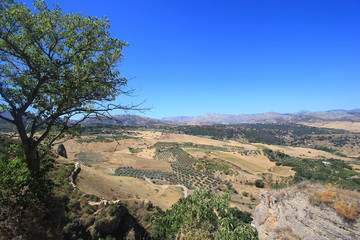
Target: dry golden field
246	161
301	152
93	181
349	126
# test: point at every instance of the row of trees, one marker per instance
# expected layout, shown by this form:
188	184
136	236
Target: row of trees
280	134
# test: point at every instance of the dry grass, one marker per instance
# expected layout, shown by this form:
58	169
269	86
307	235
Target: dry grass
147	153
302	152
197	153
72	147
118	153
96	180
92	181
240	162
347	210
342	201
123	159
349	126
182	138
283	171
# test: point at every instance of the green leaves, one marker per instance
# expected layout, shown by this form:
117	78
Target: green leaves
55	65
202	215
57	59
13	178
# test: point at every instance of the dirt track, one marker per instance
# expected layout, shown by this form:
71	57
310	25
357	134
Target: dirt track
185	190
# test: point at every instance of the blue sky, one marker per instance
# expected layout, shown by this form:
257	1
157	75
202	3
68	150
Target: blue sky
193	57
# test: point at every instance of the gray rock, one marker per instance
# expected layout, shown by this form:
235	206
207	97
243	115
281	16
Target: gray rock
62	151
288	214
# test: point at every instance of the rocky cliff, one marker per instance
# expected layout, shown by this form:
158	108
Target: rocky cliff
292	214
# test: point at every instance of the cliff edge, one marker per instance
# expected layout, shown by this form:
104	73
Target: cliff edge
311	212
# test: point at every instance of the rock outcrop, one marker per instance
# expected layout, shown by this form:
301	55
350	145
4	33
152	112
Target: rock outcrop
288	214
61	150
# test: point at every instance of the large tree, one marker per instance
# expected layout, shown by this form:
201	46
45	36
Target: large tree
53	66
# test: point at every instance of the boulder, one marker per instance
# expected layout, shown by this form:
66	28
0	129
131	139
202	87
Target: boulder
61	150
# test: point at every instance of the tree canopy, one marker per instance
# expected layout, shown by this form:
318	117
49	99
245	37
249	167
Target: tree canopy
203	215
53	66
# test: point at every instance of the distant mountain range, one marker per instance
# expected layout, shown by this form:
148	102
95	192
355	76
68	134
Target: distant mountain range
125	119
270	117
217	118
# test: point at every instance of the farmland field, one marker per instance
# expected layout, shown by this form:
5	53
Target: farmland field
116	169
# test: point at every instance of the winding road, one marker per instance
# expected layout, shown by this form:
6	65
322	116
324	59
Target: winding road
184	189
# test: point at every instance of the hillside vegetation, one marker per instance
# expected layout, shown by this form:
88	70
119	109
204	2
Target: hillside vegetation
138	175
69	170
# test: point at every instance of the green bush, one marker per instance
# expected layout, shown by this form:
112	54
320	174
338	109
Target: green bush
259	183
73	204
17	183
202	215
88	209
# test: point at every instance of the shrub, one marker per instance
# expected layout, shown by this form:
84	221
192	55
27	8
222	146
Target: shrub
94	198
17	183
73	204
114	208
328	196
88	209
89	220
347	210
343	205
205	214
135	150
259	183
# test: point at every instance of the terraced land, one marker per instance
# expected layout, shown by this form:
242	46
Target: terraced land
192	161
183	171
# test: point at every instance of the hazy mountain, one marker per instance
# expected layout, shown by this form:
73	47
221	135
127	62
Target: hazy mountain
179	118
354	112
6	114
271	117
218	118
125	119
302	112
330	115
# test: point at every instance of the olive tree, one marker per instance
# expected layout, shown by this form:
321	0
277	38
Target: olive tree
53	66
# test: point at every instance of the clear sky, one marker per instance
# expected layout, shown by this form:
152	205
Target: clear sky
235	56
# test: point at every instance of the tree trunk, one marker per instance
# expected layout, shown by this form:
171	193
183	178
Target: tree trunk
32	157
29	145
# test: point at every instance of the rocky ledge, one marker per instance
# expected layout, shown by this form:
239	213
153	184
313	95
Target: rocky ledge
289	214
